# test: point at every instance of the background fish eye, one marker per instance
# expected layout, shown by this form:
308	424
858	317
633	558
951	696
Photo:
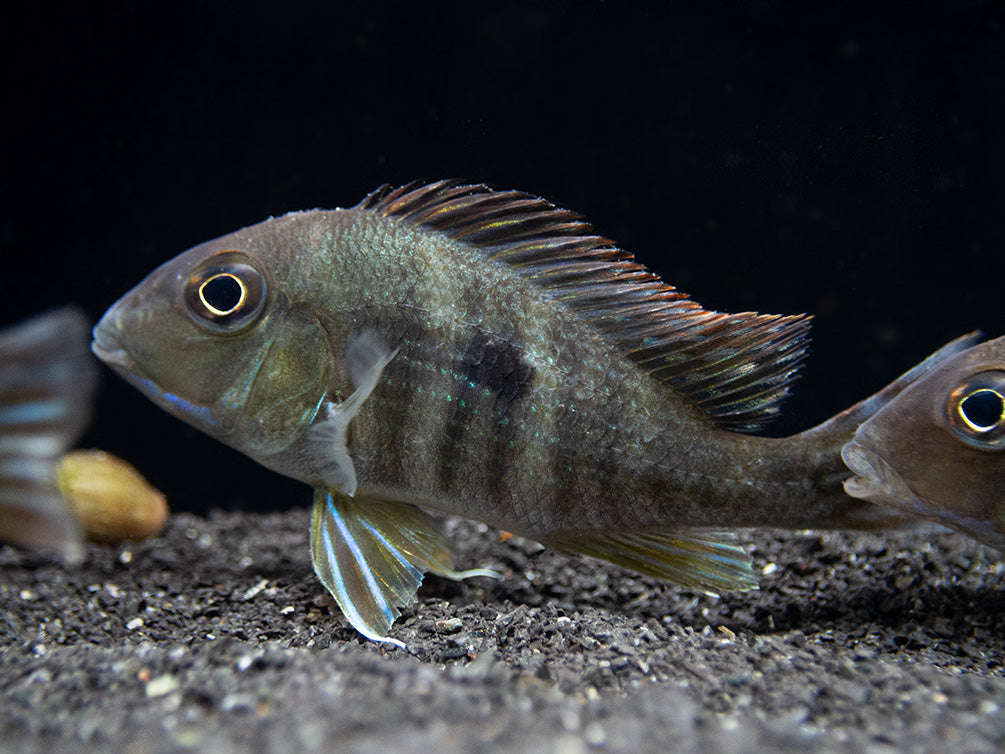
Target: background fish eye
977	411
225	293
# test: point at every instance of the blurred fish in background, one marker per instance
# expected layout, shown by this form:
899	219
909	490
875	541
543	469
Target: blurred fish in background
49	498
47	380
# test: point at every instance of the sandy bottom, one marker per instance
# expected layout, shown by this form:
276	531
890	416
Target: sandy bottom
217	636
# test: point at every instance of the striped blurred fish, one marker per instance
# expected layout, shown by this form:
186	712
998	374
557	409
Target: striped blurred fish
47	378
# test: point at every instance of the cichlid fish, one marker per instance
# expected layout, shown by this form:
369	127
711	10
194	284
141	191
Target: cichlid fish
937	450
482	353
47	378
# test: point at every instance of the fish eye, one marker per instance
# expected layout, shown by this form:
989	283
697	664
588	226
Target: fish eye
226	292
223	293
976	410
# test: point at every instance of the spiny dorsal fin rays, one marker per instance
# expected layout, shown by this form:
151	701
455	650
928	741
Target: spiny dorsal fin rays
737	367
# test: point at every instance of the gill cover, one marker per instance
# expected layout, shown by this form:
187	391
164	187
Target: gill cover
214	337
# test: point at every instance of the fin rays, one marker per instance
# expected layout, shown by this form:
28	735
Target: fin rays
710	561
712	358
371	556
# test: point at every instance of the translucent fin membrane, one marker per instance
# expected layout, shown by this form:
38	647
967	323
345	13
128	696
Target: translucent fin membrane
371	555
710	561
737	367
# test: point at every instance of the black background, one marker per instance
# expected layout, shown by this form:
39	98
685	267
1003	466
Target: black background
758	156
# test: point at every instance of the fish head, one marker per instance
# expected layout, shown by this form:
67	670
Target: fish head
937	450
214	338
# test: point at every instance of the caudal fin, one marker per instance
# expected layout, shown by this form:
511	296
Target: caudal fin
46	381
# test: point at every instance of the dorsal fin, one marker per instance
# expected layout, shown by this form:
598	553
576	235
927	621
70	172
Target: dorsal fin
736	367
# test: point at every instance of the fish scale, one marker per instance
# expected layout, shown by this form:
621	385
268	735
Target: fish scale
453	348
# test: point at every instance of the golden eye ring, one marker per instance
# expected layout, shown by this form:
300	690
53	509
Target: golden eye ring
976	410
228	280
226	292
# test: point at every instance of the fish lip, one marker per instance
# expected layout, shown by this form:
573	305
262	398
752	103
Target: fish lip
107	347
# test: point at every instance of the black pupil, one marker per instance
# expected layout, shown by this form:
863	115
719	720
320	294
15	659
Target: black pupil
983	408
222	292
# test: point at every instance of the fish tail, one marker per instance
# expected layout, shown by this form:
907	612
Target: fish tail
46	381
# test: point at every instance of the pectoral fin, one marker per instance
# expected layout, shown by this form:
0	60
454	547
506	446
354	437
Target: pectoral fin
710	561
365	358
371	555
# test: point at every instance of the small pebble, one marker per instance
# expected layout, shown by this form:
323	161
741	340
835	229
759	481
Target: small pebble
161	686
448	626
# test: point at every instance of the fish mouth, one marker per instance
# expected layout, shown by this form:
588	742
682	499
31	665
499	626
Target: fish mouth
107	346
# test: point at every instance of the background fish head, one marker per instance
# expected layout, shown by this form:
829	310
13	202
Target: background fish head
214	338
938	449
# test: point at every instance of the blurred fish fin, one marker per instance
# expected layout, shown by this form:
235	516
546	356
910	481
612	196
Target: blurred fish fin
47	377
366	356
372	554
707	560
39	518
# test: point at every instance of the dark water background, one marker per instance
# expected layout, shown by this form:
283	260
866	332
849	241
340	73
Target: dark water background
760	156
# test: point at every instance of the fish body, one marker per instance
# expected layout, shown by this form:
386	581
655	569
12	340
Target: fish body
937	450
482	353
47	378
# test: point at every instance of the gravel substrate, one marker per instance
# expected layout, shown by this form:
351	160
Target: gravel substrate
217	636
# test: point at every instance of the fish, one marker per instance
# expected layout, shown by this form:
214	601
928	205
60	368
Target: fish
53	498
47	381
445	348
937	449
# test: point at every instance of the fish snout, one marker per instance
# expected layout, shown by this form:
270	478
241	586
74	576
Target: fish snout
107	343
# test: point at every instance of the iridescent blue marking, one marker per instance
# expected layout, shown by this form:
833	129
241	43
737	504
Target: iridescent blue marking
355	619
371	582
204	414
415	572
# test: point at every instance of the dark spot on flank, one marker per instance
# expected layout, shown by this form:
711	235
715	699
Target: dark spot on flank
497	365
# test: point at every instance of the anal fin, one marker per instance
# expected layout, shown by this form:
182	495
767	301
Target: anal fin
708	560
372	554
